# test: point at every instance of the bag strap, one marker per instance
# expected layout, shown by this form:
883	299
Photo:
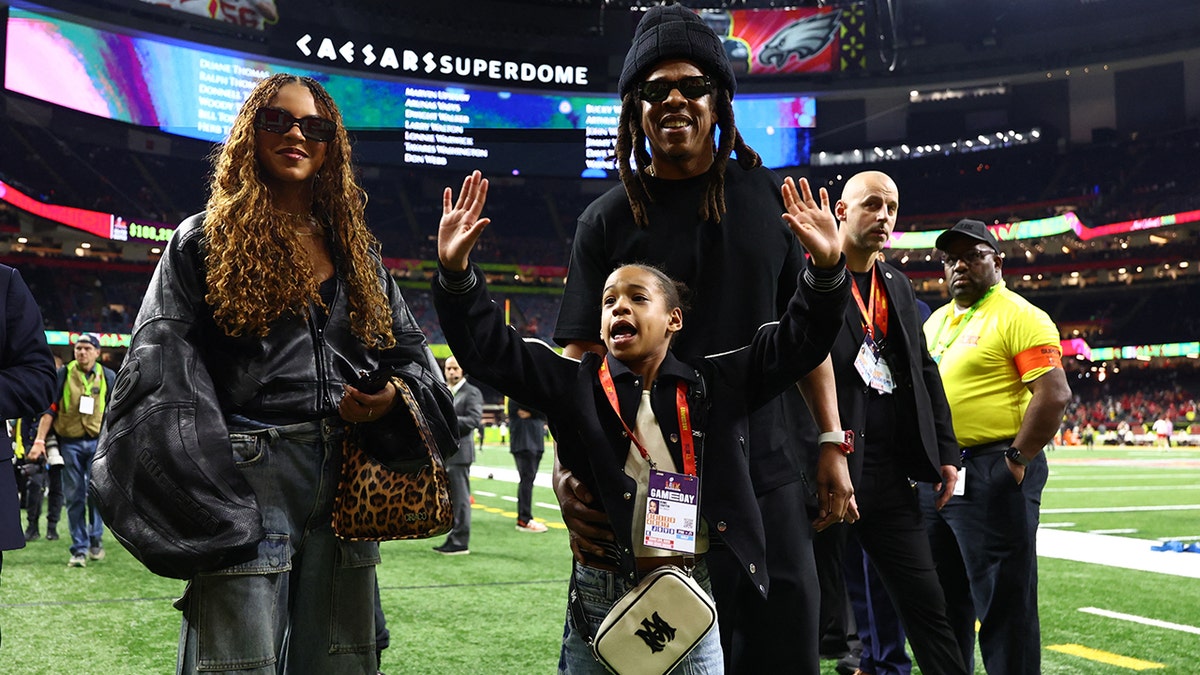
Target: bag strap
685	430
575	606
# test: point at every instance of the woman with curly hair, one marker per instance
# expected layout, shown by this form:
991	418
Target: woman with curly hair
262	311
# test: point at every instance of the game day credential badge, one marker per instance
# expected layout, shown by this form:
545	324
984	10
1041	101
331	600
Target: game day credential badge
672	508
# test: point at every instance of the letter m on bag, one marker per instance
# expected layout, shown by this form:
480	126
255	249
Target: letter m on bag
656	633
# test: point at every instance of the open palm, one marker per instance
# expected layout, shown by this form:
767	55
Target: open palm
813	224
461	225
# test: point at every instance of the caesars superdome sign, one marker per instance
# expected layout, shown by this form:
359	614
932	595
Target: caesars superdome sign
372	54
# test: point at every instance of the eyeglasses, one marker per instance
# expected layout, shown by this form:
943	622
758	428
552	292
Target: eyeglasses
655	91
280	121
970	257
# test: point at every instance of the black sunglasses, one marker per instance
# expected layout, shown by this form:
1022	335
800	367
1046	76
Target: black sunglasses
279	121
654	91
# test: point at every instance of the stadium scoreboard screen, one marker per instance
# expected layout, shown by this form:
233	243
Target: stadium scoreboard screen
195	91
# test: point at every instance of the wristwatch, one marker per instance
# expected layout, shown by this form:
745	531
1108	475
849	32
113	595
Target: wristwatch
843	439
1016	456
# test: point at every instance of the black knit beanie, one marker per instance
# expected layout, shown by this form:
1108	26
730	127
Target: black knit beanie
675	32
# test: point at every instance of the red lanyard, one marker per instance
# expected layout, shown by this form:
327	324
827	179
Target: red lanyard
685	422
876	314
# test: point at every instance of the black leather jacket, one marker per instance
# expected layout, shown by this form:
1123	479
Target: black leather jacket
164	475
296	371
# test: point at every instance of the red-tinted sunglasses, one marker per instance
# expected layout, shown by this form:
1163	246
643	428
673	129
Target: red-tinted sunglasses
279	121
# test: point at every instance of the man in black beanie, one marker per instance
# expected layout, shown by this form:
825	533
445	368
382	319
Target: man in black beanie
716	226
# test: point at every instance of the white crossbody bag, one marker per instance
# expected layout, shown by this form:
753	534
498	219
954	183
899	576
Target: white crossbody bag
653	627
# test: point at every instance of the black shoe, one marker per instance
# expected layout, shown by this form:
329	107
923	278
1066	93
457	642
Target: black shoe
848	664
834	645
32	535
52	535
830	652
447	549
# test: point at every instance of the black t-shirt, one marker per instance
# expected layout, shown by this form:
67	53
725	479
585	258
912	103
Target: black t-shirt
741	271
889	416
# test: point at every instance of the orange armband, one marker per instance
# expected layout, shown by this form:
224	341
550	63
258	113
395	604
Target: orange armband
1043	356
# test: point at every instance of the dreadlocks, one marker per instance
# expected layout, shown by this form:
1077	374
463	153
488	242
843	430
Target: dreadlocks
631	142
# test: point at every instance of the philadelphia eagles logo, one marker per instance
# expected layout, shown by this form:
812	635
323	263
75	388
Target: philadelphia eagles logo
803	38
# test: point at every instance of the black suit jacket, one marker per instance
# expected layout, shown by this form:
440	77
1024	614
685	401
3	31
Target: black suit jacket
468	406
929	443
26	386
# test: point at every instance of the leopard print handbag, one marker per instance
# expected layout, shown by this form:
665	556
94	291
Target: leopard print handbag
378	503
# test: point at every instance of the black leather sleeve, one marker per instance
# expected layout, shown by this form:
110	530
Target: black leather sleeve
164	477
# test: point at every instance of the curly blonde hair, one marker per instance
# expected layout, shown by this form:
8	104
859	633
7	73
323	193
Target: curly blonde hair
257	268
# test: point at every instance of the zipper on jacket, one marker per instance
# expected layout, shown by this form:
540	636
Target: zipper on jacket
322	376
318	332
320	348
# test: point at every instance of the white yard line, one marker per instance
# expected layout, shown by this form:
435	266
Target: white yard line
1126	488
1055	477
484	473
509	474
1184	628
1125	509
1123	552
1100	549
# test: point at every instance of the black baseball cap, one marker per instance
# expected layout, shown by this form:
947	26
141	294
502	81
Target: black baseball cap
972	229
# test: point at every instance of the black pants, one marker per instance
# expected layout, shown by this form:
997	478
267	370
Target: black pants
383	637
828	552
778	635
36	484
878	623
984	543
527	462
893	535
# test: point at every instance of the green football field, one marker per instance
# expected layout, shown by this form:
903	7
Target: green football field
1108	603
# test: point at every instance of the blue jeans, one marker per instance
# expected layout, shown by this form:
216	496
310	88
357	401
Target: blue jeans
306	603
82	517
599	589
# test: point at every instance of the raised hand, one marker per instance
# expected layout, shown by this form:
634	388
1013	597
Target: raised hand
814	224
461	225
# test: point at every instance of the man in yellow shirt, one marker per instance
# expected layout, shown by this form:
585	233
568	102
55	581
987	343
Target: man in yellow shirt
84	389
1000	359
